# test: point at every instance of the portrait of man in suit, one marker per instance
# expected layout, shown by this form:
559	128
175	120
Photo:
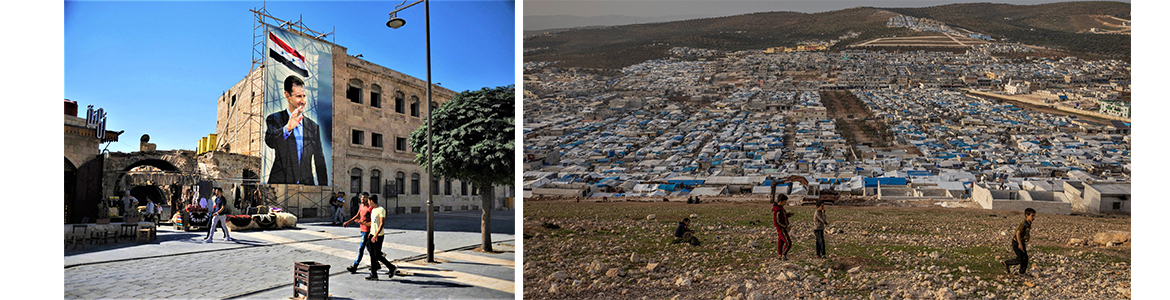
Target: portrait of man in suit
296	140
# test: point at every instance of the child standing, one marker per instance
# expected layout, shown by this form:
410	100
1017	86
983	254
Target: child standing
821	220
780	220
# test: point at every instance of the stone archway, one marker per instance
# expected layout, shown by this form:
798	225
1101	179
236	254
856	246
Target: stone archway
148	193
119	164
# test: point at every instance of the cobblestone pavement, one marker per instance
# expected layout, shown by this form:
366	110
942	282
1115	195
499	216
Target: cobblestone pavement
259	264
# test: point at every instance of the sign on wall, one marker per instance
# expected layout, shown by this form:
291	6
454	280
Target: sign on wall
298	110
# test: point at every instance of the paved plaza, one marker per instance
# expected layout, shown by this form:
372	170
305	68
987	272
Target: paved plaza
259	264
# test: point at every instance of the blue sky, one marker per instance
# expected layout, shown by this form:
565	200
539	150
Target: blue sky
158	67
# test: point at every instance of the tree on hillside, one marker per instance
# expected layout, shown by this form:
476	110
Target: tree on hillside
474	142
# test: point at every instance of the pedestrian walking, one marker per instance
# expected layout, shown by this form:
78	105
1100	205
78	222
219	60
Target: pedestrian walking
780	220
821	220
218	216
338	203
376	237
362	218
1020	243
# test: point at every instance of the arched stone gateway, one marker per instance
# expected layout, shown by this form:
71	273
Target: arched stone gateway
162	175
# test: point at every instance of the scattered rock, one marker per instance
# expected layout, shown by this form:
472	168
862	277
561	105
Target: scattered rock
755	296
597	266
1076	242
935	255
855	270
634	257
1123	291
682	281
734	290
1115	237
615	272
754	244
651	267
552	289
945	294
559	275
694	216
650	217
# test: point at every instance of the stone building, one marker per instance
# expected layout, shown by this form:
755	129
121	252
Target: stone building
83	163
374	111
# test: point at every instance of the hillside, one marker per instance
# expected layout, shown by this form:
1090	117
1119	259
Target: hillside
620	46
1058	25
616	250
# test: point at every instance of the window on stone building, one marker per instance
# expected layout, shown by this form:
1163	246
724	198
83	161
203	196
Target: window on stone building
358	137
399	102
400	182
376	140
473	190
447	187
414	184
375	182
463	187
354	93
355	181
375	96
434	185
400	144
414	106
233	100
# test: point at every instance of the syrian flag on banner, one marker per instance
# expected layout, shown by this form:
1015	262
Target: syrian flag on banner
285	54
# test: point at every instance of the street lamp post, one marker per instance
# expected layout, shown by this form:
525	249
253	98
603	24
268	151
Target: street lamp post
396	22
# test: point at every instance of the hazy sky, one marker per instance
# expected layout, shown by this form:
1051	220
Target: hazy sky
660	8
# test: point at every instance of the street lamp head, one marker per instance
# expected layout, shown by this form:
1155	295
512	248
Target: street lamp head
395	22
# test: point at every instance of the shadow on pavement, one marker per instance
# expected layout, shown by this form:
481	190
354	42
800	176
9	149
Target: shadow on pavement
127	242
430	284
471	263
422	275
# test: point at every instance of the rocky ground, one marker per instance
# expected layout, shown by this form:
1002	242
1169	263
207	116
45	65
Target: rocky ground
593	250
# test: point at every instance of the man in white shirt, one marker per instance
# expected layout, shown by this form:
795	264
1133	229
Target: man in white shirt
127	202
376	236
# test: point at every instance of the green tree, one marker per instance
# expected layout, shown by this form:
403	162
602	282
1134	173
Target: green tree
474	142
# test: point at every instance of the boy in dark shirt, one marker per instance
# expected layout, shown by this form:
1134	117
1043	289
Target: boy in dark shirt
684	233
1020	243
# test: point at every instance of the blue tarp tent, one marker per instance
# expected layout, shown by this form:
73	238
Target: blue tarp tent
874	182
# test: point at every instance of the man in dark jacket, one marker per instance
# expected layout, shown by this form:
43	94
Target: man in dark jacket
296	141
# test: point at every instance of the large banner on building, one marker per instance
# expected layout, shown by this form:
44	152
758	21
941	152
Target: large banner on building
298	110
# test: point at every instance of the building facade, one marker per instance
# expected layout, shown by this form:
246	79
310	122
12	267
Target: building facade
375	109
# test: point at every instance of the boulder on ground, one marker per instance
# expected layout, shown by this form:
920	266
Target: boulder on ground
1108	237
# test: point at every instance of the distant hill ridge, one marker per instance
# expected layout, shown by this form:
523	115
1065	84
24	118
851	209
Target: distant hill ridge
1054	25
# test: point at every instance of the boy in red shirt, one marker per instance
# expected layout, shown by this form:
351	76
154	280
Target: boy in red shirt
363	220
780	220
